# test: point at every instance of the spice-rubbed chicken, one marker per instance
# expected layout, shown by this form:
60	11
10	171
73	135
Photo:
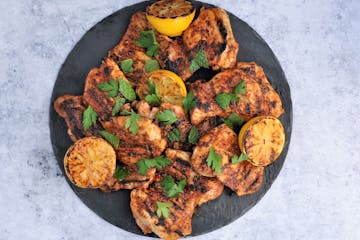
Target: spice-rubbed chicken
93	95
212	32
243	178
146	143
260	98
131	181
71	108
224	142
197	191
127	48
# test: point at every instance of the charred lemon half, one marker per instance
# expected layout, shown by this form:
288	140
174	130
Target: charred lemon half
170	17
262	139
90	162
168	86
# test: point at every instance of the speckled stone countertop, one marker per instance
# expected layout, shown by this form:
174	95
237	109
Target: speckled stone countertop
316	195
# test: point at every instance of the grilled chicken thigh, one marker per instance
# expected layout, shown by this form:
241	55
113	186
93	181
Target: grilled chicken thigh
224	142
96	98
147	143
127	49
71	108
243	178
198	190
212	32
260	98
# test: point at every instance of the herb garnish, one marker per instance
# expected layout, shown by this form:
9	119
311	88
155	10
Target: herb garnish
171	188
89	118
145	164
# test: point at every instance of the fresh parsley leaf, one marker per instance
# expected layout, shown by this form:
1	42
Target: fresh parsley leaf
167	116
147	40
193	135
234	121
163	209
111	138
152	87
171	188
238	159
127	65
145	164
118	103
110	87
189	101
151	65
153	100
121	173
240	88
131	122
126	90
89	118
174	135
224	99
125	113
214	160
199	61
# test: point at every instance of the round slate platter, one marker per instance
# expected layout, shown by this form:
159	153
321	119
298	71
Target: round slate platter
89	52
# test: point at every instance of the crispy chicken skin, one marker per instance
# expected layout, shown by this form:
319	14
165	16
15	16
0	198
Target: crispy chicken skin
132	181
127	49
97	99
260	97
199	190
147	143
212	32
224	142
71	108
243	178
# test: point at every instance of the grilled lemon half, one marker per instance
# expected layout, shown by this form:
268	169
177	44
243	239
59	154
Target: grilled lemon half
90	162
262	139
169	87
170	17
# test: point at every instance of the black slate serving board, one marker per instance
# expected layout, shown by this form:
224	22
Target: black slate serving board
89	52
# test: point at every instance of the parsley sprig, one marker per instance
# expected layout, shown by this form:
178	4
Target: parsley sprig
188	101
145	164
224	99
151	65
193	135
214	160
131	122
199	61
174	135
163	209
126	90
89	118
111	138
127	65
148	40
111	87
167	116
234	121
118	104
238	159
121	173
171	188
152	98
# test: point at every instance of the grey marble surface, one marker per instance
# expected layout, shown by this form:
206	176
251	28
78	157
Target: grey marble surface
316	195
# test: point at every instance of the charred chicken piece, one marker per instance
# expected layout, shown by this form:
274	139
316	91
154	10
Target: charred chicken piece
198	190
71	108
132	181
147	143
96	98
260	97
212	32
